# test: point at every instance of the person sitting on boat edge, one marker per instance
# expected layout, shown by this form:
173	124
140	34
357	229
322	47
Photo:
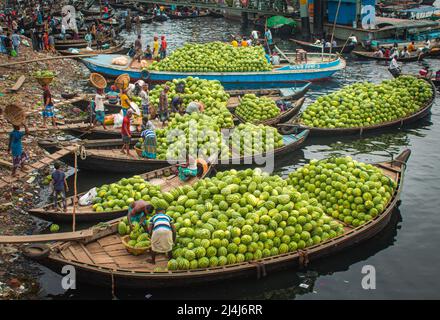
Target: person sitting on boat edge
163	234
275	59
126	133
148	54
99	108
404	53
138	212
188	170
15	146
411	47
378	53
149	146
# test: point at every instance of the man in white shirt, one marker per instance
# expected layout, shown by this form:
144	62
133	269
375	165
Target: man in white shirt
254	35
394	67
99	108
275	59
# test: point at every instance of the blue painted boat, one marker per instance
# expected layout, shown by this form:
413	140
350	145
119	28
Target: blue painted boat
318	67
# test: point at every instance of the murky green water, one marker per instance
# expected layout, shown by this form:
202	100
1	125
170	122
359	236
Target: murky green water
405	254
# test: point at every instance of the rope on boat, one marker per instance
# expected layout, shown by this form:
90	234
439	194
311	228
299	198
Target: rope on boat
81	152
303	258
261	269
113	286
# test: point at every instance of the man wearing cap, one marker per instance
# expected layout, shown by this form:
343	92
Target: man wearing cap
163	234
126	133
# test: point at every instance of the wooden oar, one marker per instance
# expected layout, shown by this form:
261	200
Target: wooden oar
7	65
64	236
282	54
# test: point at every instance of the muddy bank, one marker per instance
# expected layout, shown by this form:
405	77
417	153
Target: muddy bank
17	274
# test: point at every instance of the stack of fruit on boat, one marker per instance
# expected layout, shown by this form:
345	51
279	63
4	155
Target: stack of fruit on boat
367	104
214	57
137	235
210	92
246	215
118	196
256	109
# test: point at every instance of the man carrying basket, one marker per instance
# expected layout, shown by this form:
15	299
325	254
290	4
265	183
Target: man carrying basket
48	111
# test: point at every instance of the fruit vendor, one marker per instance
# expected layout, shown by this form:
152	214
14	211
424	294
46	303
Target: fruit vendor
126	133
195	106
145	99
15	146
138	212
163	234
176	104
188	171
125	102
163	105
48	111
149	146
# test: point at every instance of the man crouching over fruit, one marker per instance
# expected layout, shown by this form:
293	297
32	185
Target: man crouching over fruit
138	212
163	234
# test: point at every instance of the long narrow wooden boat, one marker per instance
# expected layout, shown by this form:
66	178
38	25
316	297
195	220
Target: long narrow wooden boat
105	155
371	56
161	18
280	76
102	260
420	114
281	118
77	44
118	49
311	47
216	14
190	16
89	12
166	178
90	19
292	93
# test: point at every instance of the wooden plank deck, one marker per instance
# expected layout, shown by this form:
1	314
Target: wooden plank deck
64	236
17	86
7	180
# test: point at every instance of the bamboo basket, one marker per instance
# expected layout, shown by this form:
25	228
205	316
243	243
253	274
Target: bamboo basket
122	81
98	81
44	81
133	250
15	114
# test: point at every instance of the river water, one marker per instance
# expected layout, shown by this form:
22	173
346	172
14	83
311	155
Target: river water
405	254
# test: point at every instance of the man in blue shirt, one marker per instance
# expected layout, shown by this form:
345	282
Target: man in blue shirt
15	146
163	234
16	40
60	186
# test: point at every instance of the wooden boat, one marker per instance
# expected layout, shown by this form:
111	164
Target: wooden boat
118	49
165	177
122	5
105	155
311	47
90	19
216	14
371	56
282	75
189	16
421	113
281	118
89	12
77	44
144	19
102	260
160	18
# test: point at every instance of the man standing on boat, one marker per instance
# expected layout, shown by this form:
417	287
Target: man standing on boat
163	48
126	133
163	234
268	36
394	67
163	105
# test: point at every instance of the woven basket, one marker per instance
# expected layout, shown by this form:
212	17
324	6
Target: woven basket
133	250
15	114
122	81
44	81
98	81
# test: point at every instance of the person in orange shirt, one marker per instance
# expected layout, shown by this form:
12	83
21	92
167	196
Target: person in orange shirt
411	47
244	43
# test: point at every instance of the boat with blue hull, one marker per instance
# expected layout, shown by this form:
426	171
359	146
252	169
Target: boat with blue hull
318	67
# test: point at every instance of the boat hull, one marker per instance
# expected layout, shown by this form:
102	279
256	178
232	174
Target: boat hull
230	80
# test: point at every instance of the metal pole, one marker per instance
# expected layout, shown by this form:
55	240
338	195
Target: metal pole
334	27
305	22
75	192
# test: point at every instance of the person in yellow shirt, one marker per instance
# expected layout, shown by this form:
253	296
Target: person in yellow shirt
125	101
234	43
155	48
244	42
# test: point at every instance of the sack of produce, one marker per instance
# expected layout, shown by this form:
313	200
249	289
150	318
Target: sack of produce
87	199
120	61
